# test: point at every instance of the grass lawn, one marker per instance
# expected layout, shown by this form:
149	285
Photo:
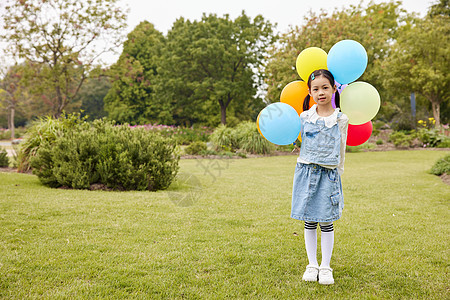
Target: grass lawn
223	231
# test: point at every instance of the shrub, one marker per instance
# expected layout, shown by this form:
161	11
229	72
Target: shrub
250	140
379	142
401	139
44	130
445	143
224	138
441	166
182	135
195	148
118	157
430	137
4	160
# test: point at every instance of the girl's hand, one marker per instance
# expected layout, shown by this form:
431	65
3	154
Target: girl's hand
296	147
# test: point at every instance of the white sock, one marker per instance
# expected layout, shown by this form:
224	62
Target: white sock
311	246
327	241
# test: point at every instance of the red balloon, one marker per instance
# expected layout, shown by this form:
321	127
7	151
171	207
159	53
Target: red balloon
359	134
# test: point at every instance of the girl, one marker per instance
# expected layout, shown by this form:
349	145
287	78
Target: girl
317	192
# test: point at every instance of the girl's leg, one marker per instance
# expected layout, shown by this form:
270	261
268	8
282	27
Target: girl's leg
311	242
312	269
327	241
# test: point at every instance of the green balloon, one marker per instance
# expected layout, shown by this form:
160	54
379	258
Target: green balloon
360	101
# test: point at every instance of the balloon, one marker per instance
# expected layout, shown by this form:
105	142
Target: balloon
279	123
309	60
294	93
360	101
257	123
347	61
359	134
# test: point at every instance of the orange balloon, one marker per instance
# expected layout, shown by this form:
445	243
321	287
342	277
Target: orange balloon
257	124
294	93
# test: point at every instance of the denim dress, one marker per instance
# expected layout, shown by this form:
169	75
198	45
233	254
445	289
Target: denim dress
317	191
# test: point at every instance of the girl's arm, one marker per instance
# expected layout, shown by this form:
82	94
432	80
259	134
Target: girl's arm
343	128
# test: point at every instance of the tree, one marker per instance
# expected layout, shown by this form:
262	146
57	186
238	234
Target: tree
63	36
92	96
442	8
132	96
11	94
212	66
420	59
375	27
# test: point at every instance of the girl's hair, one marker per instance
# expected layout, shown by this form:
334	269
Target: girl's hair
327	74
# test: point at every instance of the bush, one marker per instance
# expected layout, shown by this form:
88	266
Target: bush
250	140
195	148
245	137
445	143
182	135
401	139
4	160
118	157
431	137
379	142
44	130
224	138
441	166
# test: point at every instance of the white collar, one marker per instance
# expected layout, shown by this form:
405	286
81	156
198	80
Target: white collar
330	121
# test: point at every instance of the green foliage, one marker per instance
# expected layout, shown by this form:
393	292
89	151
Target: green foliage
417	52
91	95
195	148
182	135
118	157
224	138
60	38
374	27
431	137
208	68
359	148
379	142
132	98
245	137
402	139
250	140
44	130
441	166
4	160
5	134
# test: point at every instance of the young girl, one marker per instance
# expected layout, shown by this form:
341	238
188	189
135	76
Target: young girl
317	193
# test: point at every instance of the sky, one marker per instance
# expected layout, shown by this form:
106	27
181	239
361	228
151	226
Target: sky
282	12
163	13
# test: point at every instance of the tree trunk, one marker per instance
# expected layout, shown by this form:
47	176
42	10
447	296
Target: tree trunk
223	113
11	122
436	112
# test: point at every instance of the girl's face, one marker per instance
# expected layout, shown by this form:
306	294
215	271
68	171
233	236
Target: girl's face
322	91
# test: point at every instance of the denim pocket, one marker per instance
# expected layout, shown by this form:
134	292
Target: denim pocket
333	175
335	199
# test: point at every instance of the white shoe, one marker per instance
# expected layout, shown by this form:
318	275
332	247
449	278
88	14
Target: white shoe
311	273
326	275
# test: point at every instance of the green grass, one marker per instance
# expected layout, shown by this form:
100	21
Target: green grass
223	231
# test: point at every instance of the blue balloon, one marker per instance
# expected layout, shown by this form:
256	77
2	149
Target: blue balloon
347	61
279	123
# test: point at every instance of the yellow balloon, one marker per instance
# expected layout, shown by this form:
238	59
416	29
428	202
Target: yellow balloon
309	60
